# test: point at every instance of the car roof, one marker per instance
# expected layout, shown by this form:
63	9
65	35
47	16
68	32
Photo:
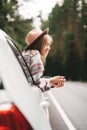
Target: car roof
21	92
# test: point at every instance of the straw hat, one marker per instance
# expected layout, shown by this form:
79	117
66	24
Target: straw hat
33	35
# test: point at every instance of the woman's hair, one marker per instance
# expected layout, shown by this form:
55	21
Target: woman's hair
39	43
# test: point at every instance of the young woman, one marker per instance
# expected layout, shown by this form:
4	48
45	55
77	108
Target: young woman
38	47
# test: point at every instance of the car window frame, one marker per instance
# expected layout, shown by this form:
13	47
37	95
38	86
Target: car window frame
18	53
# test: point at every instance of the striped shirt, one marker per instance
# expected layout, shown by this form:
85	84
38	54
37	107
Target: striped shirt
33	60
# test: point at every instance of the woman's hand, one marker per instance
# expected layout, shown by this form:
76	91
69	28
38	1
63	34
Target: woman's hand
57	81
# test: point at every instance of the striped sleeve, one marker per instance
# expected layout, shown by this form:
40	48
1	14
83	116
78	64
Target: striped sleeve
36	65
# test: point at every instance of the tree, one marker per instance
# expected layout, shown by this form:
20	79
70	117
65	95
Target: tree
82	35
7	12
12	23
71	60
68	23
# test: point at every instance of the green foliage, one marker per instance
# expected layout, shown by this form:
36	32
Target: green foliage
7	12
68	26
53	67
12	23
19	31
71	61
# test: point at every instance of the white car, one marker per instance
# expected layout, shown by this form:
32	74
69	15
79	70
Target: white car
20	102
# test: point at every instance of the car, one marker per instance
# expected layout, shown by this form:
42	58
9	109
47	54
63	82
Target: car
20	102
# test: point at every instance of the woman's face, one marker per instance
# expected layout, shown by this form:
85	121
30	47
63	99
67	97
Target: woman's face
46	49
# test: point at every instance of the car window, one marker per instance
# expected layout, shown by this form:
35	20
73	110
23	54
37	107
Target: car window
19	56
1	84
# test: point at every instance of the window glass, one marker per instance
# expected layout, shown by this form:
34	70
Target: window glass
19	56
1	84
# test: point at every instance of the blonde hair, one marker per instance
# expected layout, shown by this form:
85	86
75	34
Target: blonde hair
47	39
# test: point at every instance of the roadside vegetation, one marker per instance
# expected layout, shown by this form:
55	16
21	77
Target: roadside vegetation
68	27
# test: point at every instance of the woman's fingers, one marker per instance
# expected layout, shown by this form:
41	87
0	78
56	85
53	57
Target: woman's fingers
58	81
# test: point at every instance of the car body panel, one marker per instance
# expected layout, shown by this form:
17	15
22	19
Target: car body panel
25	96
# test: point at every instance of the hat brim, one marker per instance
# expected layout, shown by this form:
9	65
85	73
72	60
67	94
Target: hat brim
42	34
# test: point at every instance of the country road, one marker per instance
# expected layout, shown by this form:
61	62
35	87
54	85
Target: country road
68	107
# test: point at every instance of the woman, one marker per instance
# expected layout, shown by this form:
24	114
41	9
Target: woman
38	47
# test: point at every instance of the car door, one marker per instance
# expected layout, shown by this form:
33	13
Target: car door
26	97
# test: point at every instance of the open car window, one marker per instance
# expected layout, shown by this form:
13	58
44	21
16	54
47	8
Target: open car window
1	84
19	56
21	60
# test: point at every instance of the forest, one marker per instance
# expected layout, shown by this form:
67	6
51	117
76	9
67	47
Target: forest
68	27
